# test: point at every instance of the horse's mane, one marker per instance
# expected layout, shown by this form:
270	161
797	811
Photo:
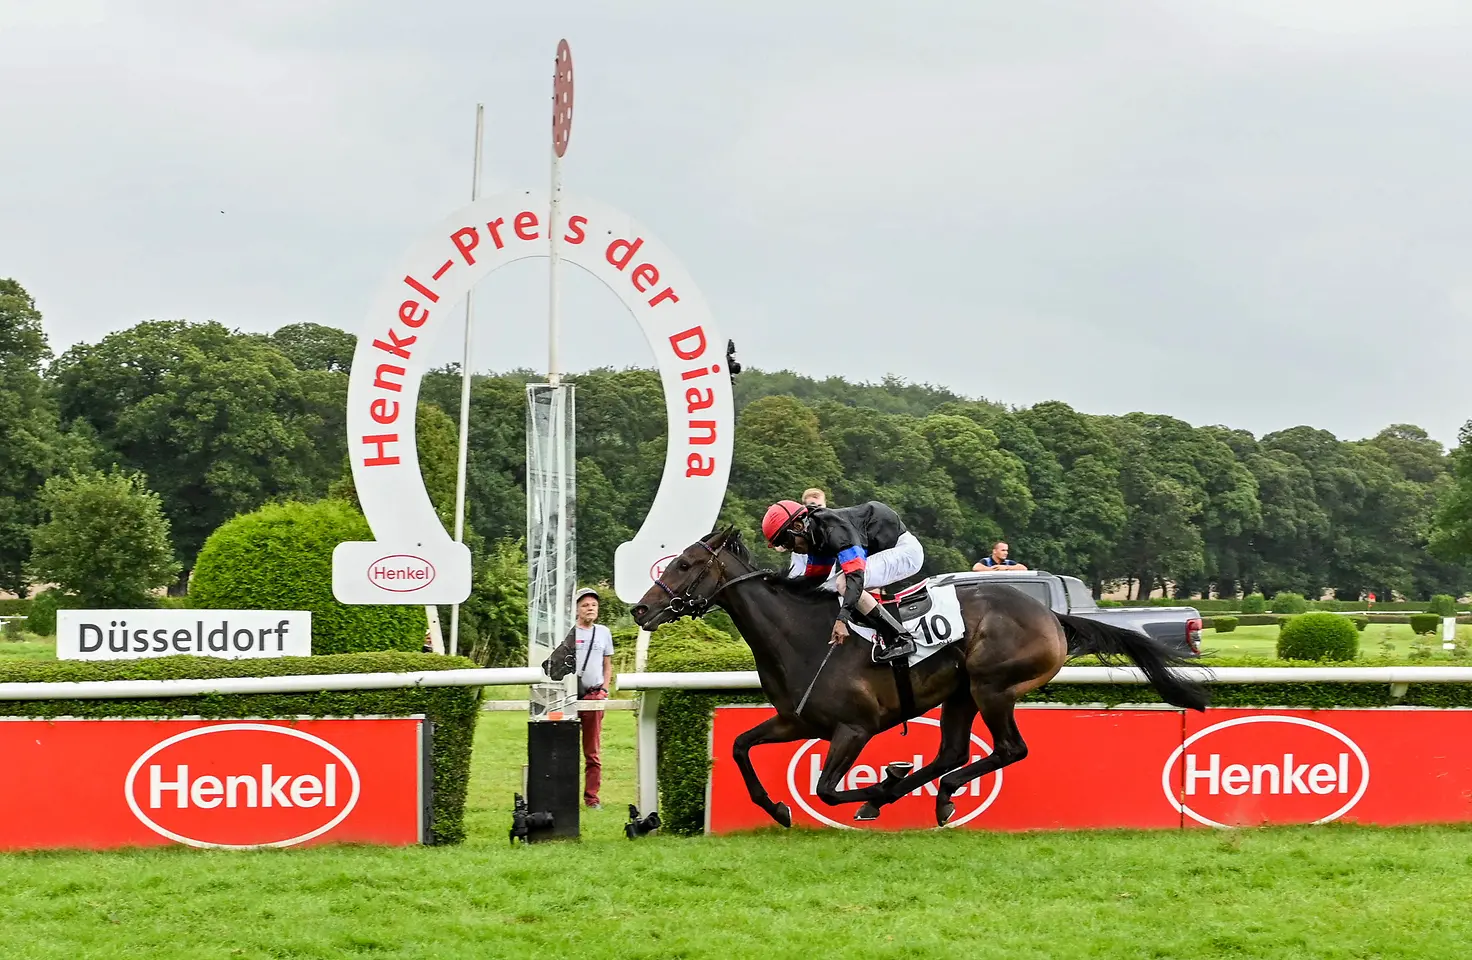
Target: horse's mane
730	538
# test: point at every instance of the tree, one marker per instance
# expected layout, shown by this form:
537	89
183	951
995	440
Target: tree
219	422
106	539
494	618
312	346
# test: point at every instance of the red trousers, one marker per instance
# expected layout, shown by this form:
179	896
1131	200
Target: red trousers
592	721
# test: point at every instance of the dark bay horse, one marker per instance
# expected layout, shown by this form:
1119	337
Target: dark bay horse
1013	644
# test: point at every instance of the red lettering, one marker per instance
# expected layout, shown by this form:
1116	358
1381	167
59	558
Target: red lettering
695	333
692	374
693	400
406	314
668	293
382	460
525	219
465	240
646	272
381	413
423	290
698	466
628	254
709	426
383	384
495	227
576	234
395	346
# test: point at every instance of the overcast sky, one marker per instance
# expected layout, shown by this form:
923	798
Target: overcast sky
1250	212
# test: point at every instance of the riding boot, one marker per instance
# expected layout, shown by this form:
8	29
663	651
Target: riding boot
894	641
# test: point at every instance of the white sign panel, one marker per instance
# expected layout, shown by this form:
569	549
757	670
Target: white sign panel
137	634
406	572
420	300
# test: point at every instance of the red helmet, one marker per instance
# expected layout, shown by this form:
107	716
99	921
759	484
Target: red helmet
778	516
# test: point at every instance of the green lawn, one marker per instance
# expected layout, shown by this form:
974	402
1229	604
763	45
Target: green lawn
1263	642
1336	892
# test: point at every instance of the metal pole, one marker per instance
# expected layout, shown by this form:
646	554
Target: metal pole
454	646
554	259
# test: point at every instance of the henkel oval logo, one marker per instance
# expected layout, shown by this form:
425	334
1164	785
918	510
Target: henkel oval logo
401	573
916	809
1266	769
657	570
242	785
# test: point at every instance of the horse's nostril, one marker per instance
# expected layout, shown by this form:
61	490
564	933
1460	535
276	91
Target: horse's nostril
638	611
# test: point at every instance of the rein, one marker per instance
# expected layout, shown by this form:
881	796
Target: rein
686	602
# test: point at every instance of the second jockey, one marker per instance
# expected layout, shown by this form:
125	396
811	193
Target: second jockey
871	548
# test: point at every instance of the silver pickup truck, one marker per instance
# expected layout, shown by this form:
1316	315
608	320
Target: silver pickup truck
1178	627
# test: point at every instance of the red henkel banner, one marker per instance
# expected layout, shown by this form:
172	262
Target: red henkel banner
95	784
1138	768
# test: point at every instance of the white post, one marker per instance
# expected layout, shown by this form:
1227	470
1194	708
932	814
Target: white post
641	651
454	647
646	757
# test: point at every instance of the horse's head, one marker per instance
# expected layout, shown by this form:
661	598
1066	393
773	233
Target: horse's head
691	580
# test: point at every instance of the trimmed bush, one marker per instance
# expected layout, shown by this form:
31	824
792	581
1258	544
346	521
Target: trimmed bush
1224	624
1291	603
42	616
15	608
1423	624
452	710
1254	603
1318	636
1442	605
1360	623
280	558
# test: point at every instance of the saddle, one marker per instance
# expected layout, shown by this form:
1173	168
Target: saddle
908	604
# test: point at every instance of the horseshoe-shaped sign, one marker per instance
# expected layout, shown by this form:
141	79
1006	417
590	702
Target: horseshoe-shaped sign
420	300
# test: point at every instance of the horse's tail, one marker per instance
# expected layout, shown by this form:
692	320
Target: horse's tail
1150	655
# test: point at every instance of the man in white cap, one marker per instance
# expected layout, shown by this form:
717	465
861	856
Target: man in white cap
594	663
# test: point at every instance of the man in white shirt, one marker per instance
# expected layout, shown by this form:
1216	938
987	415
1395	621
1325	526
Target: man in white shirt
593	652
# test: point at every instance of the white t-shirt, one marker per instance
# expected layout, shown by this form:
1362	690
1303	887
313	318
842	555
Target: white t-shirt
602	641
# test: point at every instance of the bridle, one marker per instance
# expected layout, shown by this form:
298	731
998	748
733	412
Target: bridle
685	602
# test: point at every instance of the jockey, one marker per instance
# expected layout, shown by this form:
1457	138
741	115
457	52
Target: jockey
871	548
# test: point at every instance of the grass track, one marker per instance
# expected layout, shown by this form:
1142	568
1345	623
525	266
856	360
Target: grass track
1336	892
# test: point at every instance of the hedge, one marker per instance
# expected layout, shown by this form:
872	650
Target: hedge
1224	624
452	710
684	724
1318	636
280	558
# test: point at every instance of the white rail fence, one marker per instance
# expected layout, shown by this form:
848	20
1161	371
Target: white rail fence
651	685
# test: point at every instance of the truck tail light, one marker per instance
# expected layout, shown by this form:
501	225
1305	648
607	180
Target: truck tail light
1193	634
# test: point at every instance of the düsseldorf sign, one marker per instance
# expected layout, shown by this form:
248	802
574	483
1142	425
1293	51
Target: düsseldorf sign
415	305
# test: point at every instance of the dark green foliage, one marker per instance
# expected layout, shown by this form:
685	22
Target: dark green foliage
1443	605
1360	623
1289	603
1254	603
452	710
43	611
280	558
1423	624
1224	624
1318	636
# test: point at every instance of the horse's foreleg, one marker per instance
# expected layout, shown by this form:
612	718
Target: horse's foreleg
777	729
956	715
1007	747
844	748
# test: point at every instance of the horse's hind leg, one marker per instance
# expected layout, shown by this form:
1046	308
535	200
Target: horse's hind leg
956	715
777	729
1007	747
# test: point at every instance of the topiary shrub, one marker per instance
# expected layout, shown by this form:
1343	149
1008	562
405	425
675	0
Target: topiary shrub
1360	623
1224	624
1424	623
280	558
1289	603
42	617
1442	605
690	637
1254	603
1318	636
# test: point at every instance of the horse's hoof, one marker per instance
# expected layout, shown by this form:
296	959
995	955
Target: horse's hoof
898	770
782	813
869	811
944	811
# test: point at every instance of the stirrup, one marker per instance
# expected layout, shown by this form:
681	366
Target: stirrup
892	640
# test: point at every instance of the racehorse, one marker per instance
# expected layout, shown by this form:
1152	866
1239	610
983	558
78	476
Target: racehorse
1012	645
